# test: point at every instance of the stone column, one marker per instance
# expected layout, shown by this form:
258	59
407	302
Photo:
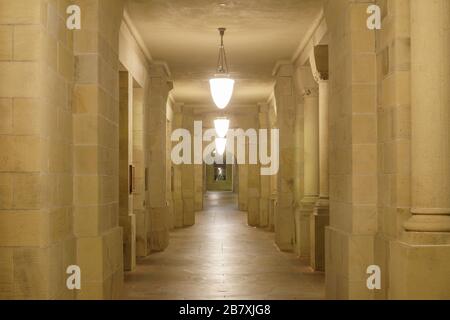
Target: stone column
284	212
304	216
273	124
142	247
254	184
188	175
157	122
430	83
177	194
243	187
323	145
127	218
421	259
264	202
198	182
353	170
321	216
169	198
96	136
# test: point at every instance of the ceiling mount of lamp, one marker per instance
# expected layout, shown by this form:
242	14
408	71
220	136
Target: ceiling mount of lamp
222	86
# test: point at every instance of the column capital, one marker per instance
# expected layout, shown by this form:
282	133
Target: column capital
310	93
321	77
263	107
319	62
159	69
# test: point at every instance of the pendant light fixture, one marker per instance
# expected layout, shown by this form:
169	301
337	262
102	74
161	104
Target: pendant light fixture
221	125
222	86
221	144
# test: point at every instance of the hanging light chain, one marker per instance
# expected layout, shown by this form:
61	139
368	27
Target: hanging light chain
222	63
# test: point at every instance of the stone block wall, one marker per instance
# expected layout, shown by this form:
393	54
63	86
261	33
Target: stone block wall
141	182
59	140
412	245
394	128
157	197
353	144
96	142
36	214
285	96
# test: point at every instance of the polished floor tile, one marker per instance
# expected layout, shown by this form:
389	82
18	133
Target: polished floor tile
223	258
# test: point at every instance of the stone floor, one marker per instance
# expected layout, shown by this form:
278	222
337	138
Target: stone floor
222	258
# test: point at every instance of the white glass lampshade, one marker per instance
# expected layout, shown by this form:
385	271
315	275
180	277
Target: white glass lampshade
222	125
221	91
221	144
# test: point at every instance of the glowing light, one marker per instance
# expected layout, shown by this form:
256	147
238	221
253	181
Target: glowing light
221	125
221	144
222	91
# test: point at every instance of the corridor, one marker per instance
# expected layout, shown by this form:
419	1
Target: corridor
223	258
328	119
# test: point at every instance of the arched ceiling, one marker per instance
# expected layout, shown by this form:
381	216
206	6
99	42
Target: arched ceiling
184	34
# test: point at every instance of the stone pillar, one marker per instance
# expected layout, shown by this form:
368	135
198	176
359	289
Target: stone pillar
169	199
127	218
142	219
254	184
421	260
188	175
430	81
253	195
37	241
299	152
299	179
264	202
272	114
177	193
198	177
321	216
304	216
157	162
352	145
323	145
96	149
243	187
284	212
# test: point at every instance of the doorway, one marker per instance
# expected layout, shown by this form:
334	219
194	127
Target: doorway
220	177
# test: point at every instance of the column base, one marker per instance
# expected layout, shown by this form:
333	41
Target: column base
158	236
284	227
142	221
319	221
273	203
347	257
243	206
188	212
170	215
178	212
264	204
128	223
428	223
253	212
101	261
302	226
419	267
